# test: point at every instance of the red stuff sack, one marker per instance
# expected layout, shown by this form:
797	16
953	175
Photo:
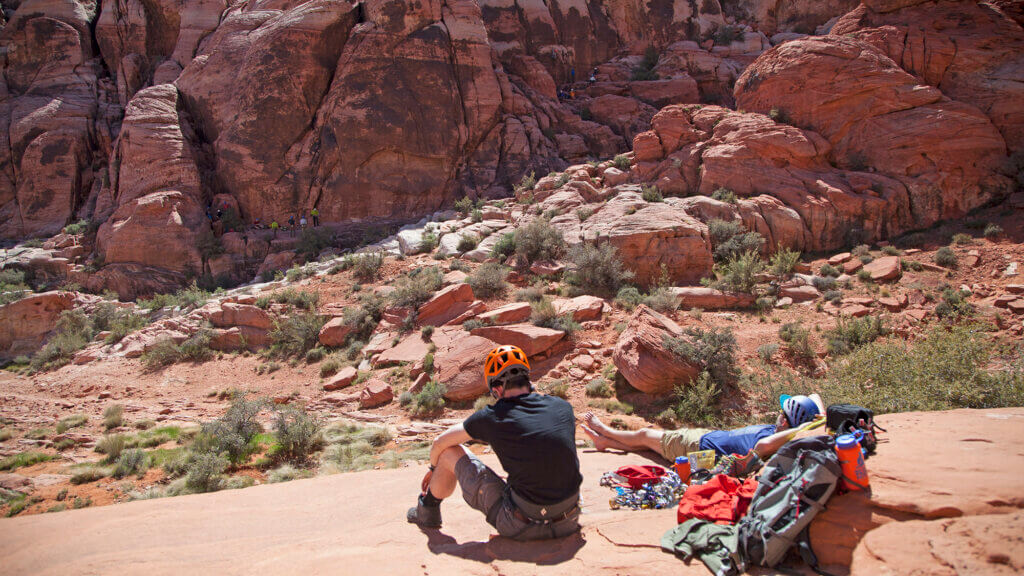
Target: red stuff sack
637	476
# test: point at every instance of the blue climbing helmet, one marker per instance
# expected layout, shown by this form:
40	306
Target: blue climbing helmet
798	409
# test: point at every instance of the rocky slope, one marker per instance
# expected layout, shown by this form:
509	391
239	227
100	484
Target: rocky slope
919	493
139	115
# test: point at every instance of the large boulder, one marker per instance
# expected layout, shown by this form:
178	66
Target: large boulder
582	308
25	323
642	357
446	304
876	115
459	362
711	299
533	340
334	332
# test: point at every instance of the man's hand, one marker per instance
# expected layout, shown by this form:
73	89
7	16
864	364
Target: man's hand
426	481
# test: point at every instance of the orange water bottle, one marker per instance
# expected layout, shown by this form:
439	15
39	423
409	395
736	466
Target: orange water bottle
855	474
682	467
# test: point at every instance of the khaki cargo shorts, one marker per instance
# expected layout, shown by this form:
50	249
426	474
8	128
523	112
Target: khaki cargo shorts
680	442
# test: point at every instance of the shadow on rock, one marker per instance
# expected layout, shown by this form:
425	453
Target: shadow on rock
540	552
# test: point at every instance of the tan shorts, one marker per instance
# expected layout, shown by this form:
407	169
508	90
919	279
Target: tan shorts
680	442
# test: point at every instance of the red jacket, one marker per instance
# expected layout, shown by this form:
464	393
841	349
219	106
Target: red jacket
722	500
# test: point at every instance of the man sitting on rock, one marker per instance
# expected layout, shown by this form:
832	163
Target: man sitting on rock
764	439
533	437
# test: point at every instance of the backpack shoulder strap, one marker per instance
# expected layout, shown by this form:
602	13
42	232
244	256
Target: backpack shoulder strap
803	545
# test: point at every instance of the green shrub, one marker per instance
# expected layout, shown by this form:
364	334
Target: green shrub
113	416
312	241
596	270
766	352
629	297
90	474
472	324
464	205
834	296
162	353
738	274
730	239
79	227
296	273
599	388
725	35
891	251
232	433
953	306
111	445
556	388
538	241
428	242
330	367
467	242
542	313
70	422
366	266
863	275
621	162
296	334
662	299
724	195
962	239
429	400
72	333
697	401
131	461
205	472
712	351
505	247
529	294
852	333
993	231
946	369
488	281
797	339
650	193
584	213
37	434
823	283
527	182
416	287
829	270
945	257
610	405
476	215
297	435
784	262
122	325
23	459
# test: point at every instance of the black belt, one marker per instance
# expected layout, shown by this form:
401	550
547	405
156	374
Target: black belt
519	514
519	503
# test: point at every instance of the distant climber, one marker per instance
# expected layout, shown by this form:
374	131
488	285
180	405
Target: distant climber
316	217
572	74
302	222
274	226
291	224
533	437
764	439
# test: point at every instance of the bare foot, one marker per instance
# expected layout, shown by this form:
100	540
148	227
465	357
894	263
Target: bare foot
595	424
600	442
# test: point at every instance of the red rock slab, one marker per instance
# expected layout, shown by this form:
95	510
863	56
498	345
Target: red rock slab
458	362
840	258
917	315
859	300
343	378
929	465
454	277
1015	288
884	269
507	314
547	268
642	358
854	310
442	307
711	299
800	293
411	349
987	544
376	393
334	332
852	266
1004	300
229	314
532	339
894	303
1017	306
582	308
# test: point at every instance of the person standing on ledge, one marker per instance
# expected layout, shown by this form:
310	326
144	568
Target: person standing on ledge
533	437
316	217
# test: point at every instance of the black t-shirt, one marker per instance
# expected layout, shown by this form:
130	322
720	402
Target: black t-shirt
534	438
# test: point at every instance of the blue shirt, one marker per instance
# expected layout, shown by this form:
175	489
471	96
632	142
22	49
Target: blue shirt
739	441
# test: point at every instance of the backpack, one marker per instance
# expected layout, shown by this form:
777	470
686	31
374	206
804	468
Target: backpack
793	488
851	419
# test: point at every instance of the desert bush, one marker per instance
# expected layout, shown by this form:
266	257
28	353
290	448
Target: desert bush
662	299
89	474
416	287
297	435
131	461
72	333
476	215
312	241
205	472
505	247
738	274
797	339
946	369
330	367
824	283
725	35
954	306
650	193
527	182
891	251
629	297
23	459
766	352
113	416
730	239
366	266
70	422
467	242
852	333
783	262
362	319
555	388
621	162
488	281
962	239
464	205
611	405
429	400
232	433
529	294
945	257
297	272
596	270
111	445
542	313
428	241
724	195
834	296
712	351
538	241
599	388
993	231
584	213
829	270
697	402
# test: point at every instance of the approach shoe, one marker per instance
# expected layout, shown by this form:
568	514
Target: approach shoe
424	516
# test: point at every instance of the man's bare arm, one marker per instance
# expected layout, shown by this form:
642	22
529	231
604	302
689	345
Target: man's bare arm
451	437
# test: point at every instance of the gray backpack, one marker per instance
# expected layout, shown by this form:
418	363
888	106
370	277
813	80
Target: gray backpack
793	488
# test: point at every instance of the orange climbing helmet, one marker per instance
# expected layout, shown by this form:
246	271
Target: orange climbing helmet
504	361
